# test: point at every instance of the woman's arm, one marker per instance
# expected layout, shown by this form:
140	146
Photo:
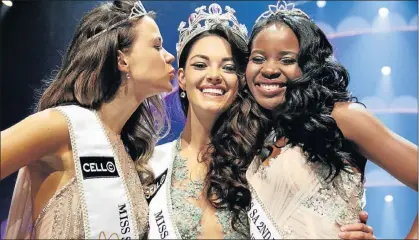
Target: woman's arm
38	135
388	150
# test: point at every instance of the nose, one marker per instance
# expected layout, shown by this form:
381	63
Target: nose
214	75
169	58
270	71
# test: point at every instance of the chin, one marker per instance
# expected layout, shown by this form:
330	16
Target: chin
269	104
169	89
215	110
166	88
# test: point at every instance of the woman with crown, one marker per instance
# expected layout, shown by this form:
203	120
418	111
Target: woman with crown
311	182
195	196
211	55
81	155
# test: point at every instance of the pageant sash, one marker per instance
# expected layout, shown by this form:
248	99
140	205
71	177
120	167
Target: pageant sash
261	226
158	196
106	206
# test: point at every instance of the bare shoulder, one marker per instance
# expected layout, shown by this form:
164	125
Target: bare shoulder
352	118
51	122
342	109
39	135
51	115
46	128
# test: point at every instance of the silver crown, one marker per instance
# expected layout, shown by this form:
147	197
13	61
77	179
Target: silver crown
138	10
281	6
201	21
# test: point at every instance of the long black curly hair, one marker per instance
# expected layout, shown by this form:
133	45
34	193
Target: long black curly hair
304	118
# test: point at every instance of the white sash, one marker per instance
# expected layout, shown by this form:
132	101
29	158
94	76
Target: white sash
160	203
261	226
106	206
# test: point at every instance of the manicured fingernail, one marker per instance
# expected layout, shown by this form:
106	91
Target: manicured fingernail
342	234
343	229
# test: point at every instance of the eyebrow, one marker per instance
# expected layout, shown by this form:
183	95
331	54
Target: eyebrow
281	53
226	59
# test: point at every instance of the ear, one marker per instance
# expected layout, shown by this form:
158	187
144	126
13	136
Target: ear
181	78
122	62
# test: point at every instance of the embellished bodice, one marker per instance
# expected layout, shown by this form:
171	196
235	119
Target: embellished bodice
190	211
299	201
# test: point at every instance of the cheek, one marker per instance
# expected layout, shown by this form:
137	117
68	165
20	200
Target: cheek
293	72
251	72
233	85
139	63
192	79
160	58
154	60
189	86
235	89
232	82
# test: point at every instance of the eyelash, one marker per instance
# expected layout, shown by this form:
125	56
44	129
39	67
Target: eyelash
228	67
199	65
258	60
285	61
288	61
158	47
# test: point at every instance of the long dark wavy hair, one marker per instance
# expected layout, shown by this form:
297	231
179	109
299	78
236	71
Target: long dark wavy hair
235	137
223	182
304	118
89	77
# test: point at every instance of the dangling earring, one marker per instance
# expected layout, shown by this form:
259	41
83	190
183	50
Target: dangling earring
183	94
128	77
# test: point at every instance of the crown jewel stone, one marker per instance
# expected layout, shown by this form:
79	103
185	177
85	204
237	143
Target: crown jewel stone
215	8
192	17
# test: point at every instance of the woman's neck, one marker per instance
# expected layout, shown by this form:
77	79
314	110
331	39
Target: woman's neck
116	113
194	140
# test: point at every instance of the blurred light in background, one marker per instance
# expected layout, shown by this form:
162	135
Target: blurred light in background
3	10
7	3
321	4
383	12
388	198
386	70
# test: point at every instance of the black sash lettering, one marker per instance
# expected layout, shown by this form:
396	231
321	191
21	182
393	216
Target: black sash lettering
155	186
98	167
258	219
123	220
161	224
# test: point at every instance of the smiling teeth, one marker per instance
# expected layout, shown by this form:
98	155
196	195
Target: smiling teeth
270	86
213	90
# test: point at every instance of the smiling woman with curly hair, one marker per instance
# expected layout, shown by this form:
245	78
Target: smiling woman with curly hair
297	105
